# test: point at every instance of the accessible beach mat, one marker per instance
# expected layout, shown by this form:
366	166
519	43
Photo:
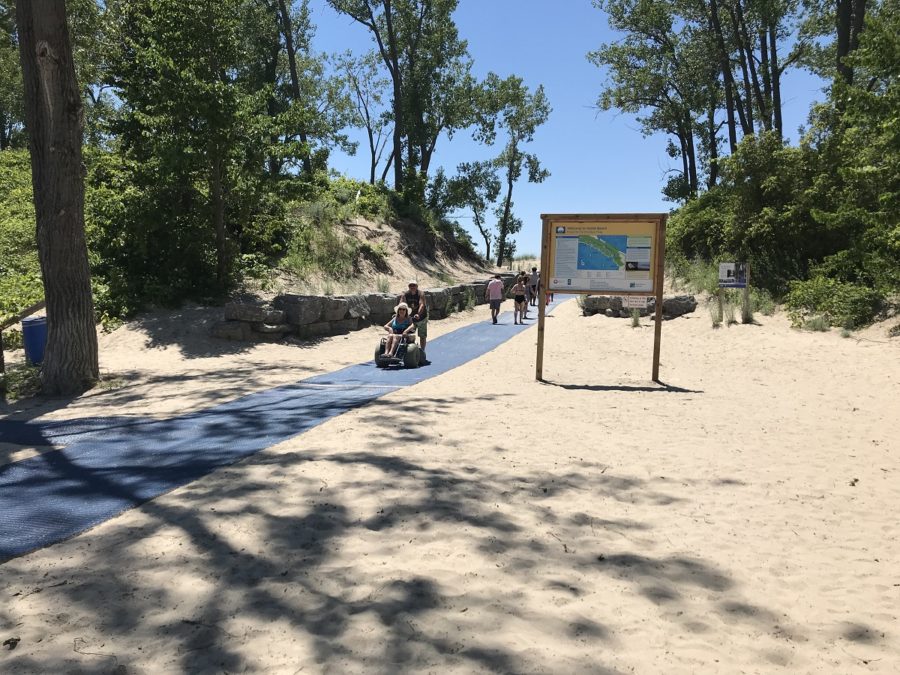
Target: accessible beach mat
112	464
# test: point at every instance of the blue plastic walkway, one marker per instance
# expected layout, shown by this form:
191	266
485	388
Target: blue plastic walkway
113	464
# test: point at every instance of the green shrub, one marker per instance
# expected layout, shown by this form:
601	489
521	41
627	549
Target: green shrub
838	303
696	275
816	323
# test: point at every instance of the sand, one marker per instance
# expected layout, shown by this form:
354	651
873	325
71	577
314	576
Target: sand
741	519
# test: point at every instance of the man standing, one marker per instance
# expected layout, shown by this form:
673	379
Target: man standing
533	283
494	295
416	302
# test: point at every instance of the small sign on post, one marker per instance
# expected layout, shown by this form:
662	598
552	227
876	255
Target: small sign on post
733	275
634	302
736	275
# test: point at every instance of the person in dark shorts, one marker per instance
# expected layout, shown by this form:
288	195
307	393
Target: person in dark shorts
518	292
494	295
534	280
416	301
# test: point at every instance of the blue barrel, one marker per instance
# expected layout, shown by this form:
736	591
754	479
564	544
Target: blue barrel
34	335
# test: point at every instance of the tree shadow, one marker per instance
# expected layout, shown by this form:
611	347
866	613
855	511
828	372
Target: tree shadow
348	562
661	388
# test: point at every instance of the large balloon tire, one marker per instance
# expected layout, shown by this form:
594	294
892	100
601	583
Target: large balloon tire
380	361
413	356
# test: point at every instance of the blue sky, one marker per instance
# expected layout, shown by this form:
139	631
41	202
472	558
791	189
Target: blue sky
599	161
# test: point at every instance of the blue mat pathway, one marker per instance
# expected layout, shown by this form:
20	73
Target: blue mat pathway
112	464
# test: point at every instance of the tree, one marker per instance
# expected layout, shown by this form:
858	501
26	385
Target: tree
475	187
53	123
508	108
366	83
430	78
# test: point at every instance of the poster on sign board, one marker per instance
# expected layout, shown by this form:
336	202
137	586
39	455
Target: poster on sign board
732	275
602	256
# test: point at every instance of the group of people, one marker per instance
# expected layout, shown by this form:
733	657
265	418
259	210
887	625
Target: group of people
411	312
525	291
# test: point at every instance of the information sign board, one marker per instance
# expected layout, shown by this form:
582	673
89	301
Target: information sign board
605	256
732	275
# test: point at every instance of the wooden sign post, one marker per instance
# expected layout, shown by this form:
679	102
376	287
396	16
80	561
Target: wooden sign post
603	254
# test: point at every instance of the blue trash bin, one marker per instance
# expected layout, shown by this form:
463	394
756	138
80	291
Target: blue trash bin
34	335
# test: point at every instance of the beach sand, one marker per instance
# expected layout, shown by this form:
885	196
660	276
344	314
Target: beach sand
740	519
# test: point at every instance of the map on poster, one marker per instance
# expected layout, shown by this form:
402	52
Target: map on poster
602	256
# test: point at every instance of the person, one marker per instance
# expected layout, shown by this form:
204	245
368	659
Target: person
416	301
401	324
494	295
533	283
522	278
518	292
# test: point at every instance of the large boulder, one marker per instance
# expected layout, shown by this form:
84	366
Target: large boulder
231	330
678	305
245	311
334	308
479	288
437	300
599	304
300	310
381	306
357	307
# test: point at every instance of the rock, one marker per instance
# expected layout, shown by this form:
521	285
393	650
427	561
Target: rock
479	288
357	307
608	312
231	330
334	308
344	326
272	329
381	307
598	304
679	305
245	311
300	310
437	300
314	330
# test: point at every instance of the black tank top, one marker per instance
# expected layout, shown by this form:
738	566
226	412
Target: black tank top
413	300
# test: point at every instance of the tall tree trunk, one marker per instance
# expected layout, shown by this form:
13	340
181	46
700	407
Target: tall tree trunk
743	51
53	118
713	141
507	208
766	69
692	161
776	81
727	79
217	199
288	32
761	102
485	234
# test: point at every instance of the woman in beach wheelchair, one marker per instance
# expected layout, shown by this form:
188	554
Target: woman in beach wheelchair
399	347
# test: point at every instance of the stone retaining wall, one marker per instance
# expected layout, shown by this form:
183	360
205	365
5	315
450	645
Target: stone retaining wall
311	316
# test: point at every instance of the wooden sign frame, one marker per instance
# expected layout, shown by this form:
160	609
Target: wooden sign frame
658	267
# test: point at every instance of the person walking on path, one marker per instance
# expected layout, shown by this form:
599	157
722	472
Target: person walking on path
518	292
494	295
416	302
533	282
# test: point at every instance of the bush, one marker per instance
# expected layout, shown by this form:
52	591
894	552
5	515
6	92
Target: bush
838	303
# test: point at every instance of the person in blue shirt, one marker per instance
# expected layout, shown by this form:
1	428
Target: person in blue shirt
399	326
